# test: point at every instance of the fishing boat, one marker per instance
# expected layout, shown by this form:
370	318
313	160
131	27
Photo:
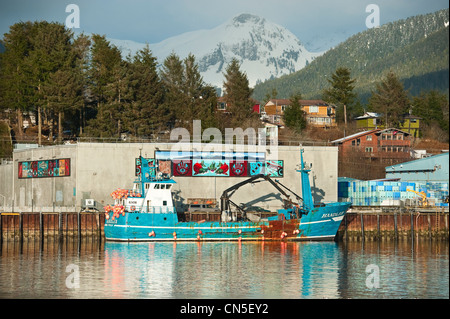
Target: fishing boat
147	213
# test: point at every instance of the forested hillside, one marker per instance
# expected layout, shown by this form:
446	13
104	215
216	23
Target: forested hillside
416	49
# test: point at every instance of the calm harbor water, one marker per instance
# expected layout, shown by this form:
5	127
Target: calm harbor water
225	270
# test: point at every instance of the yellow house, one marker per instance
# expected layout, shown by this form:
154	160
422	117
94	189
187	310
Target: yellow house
318	113
370	121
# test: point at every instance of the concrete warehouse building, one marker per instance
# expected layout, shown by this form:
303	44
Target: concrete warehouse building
63	177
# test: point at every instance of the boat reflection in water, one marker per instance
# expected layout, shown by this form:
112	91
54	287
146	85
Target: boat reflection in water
231	270
222	270
275	270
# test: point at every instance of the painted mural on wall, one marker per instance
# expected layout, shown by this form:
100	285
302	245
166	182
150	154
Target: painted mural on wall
214	164
44	168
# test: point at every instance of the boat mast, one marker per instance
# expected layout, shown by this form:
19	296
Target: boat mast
306	187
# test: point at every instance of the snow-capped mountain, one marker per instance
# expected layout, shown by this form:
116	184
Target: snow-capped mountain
264	49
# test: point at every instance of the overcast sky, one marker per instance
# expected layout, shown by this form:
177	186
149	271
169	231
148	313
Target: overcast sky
152	21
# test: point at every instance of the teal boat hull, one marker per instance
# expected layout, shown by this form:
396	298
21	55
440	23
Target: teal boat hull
321	223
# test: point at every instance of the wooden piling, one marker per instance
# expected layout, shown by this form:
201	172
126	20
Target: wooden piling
362	227
395	227
1	231
41	228
21	227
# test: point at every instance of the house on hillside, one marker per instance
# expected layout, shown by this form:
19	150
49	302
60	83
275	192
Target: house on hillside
223	107
389	143
318	113
371	120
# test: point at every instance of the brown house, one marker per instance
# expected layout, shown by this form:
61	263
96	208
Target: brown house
318	113
390	143
365	155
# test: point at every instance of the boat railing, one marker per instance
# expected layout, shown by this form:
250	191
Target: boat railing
134	193
155	210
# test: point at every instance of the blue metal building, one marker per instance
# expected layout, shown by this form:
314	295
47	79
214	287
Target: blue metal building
428	169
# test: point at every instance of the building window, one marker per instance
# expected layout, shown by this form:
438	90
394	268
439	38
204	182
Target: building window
368	137
313	109
221	106
358	141
369	149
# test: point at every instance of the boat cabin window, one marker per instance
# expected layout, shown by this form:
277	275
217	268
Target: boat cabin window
156	186
164	203
147	186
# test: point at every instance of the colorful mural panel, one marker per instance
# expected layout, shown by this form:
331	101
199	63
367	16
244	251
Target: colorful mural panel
45	168
211	168
165	167
256	168
151	164
274	168
217	164
182	168
238	168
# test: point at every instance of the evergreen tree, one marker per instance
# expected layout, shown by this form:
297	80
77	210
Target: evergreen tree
172	78
106	85
238	94
15	87
294	116
432	108
81	47
146	113
341	94
201	99
390	99
63	88
187	97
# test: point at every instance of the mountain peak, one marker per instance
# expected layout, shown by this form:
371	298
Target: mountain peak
264	49
244	18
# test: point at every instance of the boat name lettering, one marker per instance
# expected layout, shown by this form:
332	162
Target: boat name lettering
132	202
330	215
